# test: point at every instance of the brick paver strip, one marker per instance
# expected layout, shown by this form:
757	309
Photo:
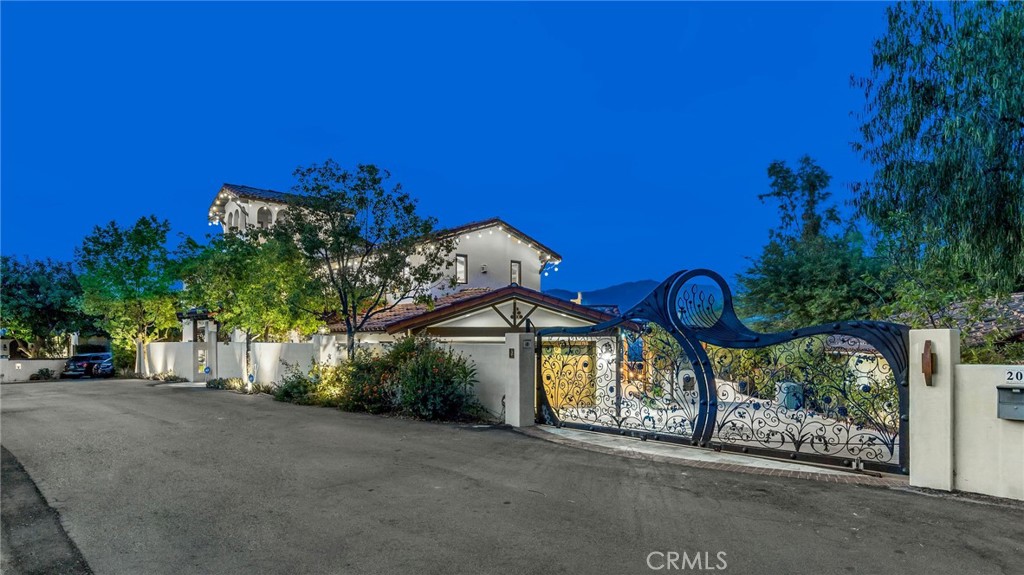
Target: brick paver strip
847	476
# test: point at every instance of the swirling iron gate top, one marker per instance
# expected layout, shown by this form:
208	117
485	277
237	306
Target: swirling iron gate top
681	366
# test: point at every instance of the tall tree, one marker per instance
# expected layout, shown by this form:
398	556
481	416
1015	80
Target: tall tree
943	128
254	284
364	241
127	277
39	304
808	273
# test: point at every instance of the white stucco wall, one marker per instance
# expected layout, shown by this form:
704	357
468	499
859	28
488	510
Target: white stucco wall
267	359
175	357
495	249
988	452
230	360
21	369
492	372
246	211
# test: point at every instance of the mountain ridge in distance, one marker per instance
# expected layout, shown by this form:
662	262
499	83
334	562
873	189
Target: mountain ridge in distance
624	295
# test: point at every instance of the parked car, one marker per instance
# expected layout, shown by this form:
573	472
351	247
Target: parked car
104	368
84	365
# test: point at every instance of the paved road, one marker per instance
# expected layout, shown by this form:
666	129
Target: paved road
169	480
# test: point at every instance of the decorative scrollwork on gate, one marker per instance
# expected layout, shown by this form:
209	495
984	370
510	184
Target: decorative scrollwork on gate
832	396
682	364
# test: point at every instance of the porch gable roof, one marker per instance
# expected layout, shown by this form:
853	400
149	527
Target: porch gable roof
466	305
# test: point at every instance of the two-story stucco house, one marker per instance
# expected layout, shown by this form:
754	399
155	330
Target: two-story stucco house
498	272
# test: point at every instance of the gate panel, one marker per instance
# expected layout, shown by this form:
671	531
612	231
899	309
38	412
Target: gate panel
832	397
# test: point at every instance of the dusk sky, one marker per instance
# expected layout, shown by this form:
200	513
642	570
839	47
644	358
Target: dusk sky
632	138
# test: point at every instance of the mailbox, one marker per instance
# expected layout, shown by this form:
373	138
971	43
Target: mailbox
1011	401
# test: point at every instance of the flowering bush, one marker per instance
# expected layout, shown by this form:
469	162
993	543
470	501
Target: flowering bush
415	376
371	386
435	382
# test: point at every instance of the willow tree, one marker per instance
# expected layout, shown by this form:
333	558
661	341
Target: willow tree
943	128
363	241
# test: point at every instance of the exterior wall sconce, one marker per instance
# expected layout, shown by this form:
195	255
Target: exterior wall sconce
928	362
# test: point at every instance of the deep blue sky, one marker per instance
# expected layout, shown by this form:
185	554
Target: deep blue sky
632	138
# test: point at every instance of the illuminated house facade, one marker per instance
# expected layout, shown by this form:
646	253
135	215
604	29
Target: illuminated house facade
498	271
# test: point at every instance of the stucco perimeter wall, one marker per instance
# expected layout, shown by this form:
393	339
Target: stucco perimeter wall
492	373
988	452
230	360
268	359
20	369
175	357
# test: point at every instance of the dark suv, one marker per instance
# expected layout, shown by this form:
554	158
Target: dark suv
89	365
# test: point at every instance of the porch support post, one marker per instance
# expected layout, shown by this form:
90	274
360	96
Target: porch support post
520	387
931	408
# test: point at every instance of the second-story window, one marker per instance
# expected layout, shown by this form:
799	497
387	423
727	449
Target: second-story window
516	272
461	269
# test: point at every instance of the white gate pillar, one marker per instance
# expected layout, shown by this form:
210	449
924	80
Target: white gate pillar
931	408
520	386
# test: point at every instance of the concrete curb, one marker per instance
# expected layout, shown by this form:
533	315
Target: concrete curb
826	475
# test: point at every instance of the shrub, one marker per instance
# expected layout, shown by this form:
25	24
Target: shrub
233	383
167	377
435	382
415	376
263	388
371	385
323	385
44	373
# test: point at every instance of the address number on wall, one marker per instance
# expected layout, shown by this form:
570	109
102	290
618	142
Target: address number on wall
1015	375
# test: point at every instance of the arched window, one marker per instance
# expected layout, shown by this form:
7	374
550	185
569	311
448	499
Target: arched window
238	219
231	220
264	218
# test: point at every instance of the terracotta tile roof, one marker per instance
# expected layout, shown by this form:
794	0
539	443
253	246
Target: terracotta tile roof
489	297
506	227
405	311
258	193
1004	317
411	315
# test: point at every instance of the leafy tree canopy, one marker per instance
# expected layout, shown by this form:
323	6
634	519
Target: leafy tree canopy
127	276
363	241
254	284
40	304
808	273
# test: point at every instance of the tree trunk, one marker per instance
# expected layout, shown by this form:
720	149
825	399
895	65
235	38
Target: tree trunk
248	360
140	355
351	343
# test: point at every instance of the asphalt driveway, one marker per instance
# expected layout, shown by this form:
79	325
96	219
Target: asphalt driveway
155	479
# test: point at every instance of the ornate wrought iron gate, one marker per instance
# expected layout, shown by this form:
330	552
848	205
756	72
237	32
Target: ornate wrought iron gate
680	366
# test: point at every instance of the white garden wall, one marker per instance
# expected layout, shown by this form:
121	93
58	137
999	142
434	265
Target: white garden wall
988	452
267	359
21	369
492	373
174	357
230	360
